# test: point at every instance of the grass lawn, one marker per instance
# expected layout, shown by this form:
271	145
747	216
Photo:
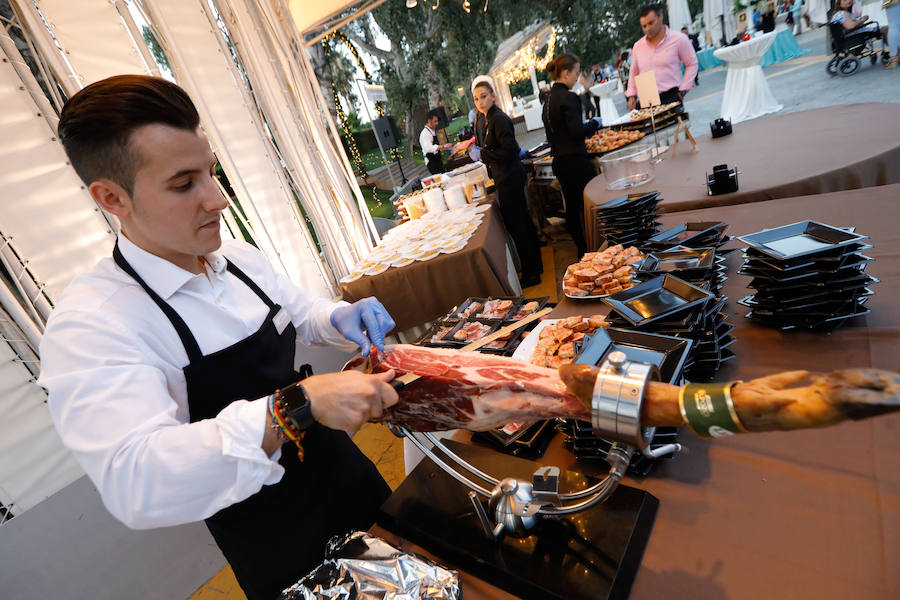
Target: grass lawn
372	159
385	210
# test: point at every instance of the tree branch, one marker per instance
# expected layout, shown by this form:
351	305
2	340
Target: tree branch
370	48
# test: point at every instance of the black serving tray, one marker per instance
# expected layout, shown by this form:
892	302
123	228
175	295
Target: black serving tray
800	239
656	299
688	232
691	260
667	353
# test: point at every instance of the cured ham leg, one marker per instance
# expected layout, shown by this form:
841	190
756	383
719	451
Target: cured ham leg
784	401
470	390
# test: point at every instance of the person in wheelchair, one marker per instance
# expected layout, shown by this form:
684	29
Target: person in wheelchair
852	38
843	14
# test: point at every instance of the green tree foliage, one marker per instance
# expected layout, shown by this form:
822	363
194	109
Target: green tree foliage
435	52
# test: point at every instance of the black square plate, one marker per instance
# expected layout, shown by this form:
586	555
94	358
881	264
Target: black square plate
691	260
666	352
800	239
656	299
683	234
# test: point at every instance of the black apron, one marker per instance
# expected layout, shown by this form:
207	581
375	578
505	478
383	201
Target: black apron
278	535
433	160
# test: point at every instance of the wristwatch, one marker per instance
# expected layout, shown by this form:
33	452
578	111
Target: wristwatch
293	403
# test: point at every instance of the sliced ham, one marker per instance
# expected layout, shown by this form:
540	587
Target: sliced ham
469	390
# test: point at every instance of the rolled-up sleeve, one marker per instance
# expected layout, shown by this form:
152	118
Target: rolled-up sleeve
109	399
689	57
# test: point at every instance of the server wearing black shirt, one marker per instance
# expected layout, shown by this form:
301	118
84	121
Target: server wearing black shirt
566	133
496	146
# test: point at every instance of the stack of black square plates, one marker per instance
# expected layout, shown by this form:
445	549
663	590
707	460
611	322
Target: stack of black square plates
703	234
806	275
703	268
628	220
672	306
668	353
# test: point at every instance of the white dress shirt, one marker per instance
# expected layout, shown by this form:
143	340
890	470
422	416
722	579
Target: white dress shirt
426	141
112	365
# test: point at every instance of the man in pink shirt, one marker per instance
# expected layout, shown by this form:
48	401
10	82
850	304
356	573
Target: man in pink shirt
663	51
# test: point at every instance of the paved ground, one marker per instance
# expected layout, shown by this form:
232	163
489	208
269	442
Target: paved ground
799	84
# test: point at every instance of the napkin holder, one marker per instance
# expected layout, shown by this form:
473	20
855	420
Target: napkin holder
720	128
722	181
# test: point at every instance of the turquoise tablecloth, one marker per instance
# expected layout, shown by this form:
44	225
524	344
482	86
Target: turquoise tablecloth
785	47
707	60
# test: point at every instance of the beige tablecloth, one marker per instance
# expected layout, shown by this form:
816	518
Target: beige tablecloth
797	154
799	515
423	291
806	514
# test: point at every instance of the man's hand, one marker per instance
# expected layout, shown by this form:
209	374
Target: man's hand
632	102
367	314
681	94
347	400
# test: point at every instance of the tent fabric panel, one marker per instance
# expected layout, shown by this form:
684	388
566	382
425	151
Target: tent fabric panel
94	38
202	68
43	197
35	463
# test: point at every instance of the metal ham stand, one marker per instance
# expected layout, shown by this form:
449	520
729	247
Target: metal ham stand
519	509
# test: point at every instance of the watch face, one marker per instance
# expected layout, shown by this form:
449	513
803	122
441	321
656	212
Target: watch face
296	406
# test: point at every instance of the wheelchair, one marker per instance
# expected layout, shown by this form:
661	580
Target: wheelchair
850	47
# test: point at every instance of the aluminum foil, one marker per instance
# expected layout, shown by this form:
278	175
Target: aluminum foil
361	566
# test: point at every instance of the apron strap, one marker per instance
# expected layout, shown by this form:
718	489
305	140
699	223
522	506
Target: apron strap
234	270
181	328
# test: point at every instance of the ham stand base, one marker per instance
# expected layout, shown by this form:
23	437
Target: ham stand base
594	553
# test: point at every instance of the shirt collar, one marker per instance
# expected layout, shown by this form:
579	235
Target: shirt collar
428	129
162	276
665	37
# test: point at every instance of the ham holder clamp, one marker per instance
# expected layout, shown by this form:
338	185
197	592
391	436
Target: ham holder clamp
515	505
517	539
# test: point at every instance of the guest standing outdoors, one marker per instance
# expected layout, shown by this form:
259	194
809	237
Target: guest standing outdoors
496	146
892	10
431	149
566	133
663	51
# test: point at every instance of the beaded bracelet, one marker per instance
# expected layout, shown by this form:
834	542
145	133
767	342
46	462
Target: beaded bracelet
288	430
709	410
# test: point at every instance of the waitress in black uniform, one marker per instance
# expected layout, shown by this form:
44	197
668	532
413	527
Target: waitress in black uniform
171	371
566	133
496	146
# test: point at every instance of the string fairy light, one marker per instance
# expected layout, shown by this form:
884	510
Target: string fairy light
528	59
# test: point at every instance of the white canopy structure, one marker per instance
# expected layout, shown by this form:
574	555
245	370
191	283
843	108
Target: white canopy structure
715	13
679	14
245	65
517	58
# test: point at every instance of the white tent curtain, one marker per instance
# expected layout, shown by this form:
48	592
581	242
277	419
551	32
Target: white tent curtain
94	38
50	217
324	185
198	57
35	464
679	14
713	10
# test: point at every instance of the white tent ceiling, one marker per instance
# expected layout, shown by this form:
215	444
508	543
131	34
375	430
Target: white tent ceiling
308	12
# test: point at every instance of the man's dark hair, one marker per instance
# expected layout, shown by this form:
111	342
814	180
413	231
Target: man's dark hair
433	114
650	8
96	123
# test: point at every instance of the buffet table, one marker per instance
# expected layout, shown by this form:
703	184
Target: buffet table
422	291
747	94
796	154
805	514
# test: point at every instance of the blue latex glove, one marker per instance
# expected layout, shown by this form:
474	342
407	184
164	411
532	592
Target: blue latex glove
475	153
599	121
365	322
522	153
